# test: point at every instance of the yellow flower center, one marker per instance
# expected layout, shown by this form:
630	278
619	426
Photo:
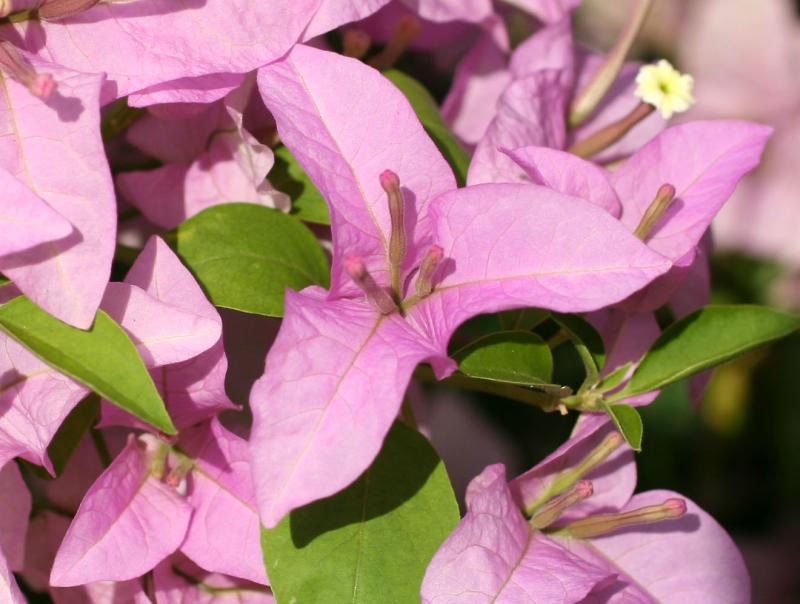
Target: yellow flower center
664	87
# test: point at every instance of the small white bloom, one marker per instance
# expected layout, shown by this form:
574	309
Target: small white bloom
664	87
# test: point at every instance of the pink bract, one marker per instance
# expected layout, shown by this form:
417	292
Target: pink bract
504	246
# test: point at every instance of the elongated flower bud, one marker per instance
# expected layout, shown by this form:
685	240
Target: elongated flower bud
655	211
602	524
568	478
553	509
358	272
52	10
397	239
604	138
18	67
355	43
427	269
590	97
407	30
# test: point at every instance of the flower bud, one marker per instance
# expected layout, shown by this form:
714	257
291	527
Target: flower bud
355	43
430	263
397	239
605	137
407	30
53	10
566	479
357	271
590	97
602	524
19	68
553	509
655	211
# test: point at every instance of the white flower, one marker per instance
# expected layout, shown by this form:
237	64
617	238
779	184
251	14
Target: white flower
664	87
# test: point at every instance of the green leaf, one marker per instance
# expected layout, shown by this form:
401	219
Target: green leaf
102	358
118	116
587	342
628	422
68	437
428	113
71	431
613	379
287	175
371	542
516	357
245	256
523	318
706	338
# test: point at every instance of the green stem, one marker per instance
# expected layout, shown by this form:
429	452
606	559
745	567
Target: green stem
547	402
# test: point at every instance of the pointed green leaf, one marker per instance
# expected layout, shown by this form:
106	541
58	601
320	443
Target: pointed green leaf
287	175
71	431
516	357
613	379
68	437
428	113
706	338
245	256
103	358
371	542
628	422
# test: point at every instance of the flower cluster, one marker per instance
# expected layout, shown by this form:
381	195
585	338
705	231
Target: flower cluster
163	160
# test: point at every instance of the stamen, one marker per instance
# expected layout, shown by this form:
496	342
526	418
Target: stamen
378	296
655	211
407	30
18	67
428	267
356	43
568	478
604	138
553	509
53	10
589	98
602	524
397	239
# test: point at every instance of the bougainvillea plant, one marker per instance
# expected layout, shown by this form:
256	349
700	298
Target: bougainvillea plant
235	239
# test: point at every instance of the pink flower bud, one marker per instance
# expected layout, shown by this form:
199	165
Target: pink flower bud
408	29
357	271
554	508
427	269
602	524
655	212
356	43
397	239
53	10
19	68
